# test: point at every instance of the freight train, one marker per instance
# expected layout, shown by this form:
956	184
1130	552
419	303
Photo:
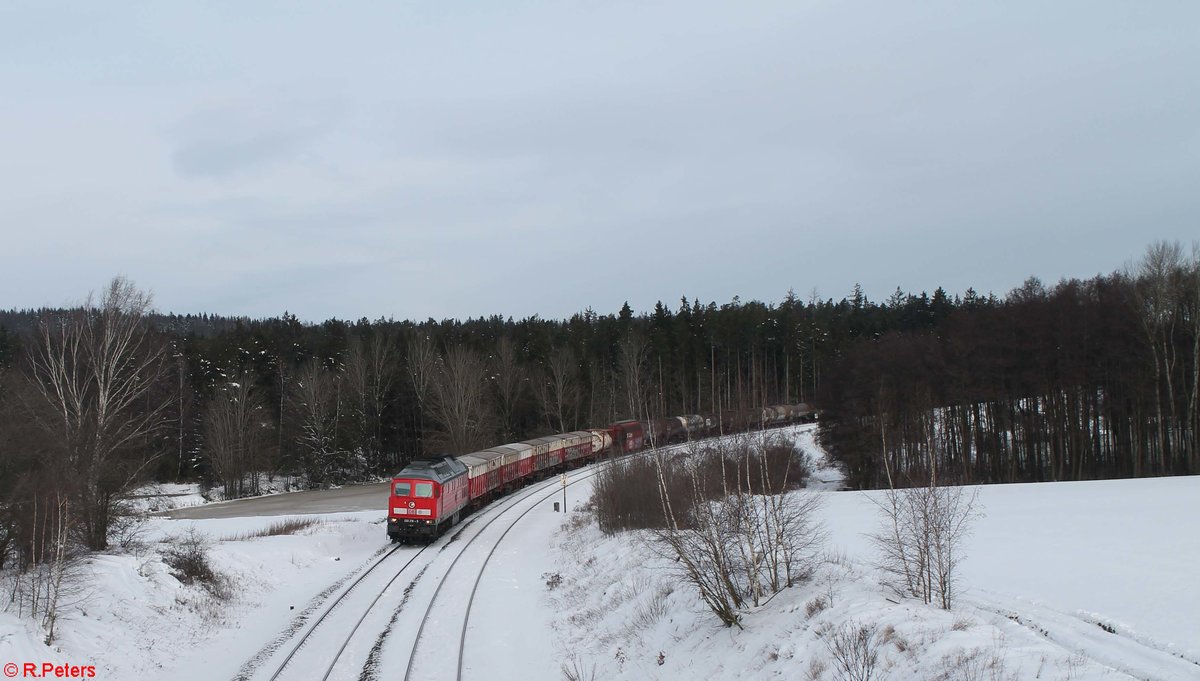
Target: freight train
432	494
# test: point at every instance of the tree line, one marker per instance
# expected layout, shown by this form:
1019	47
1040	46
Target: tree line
97	399
1085	379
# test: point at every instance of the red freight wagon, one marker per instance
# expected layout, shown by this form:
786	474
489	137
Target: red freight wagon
541	458
426	498
627	436
483	474
578	446
524	459
555	450
516	462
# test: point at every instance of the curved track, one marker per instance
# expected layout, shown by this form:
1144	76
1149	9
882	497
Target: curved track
583	474
326	634
324	629
342	597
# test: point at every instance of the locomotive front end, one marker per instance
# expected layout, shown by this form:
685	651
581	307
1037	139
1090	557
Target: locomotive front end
413	509
426	498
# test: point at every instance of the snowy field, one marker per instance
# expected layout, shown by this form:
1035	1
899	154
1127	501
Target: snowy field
1062	581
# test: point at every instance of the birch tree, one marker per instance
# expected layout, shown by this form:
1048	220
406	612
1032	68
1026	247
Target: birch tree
96	367
559	391
632	355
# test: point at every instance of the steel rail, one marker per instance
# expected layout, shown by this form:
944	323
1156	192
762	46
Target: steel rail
541	487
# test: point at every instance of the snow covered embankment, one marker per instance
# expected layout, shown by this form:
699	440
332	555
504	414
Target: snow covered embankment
621	613
133	618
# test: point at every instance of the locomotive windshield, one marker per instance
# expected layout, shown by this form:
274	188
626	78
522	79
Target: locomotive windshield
403	489
424	489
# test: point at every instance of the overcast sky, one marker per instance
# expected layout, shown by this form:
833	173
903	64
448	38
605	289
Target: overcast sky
452	159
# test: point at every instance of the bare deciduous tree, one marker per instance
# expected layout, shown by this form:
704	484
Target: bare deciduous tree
559	391
458	401
1193	311
96	366
855	651
50	572
236	428
315	399
736	533
371	369
509	378
632	358
422	367
920	543
1158	294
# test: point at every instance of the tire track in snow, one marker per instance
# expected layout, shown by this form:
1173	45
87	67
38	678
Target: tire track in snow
1096	640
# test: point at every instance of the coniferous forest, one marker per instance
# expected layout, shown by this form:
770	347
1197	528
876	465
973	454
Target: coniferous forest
1081	379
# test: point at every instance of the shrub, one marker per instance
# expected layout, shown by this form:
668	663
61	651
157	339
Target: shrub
627	494
814	606
855	652
187	557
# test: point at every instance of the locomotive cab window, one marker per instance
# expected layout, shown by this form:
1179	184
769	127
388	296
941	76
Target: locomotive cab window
425	489
403	489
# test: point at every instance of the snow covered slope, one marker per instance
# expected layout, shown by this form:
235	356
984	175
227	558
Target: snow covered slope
1067	580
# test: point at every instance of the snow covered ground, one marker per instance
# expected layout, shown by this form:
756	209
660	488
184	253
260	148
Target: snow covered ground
1062	581
166	496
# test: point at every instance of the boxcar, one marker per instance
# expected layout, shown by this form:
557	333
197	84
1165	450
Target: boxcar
516	461
577	447
540	446
483	474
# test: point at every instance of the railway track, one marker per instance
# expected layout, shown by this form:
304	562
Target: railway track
426	673
279	670
322	634
323	627
579	476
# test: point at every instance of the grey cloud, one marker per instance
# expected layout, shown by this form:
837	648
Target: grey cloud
401	159
248	135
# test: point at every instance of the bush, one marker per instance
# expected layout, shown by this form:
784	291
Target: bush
187	557
855	652
815	606
627	494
